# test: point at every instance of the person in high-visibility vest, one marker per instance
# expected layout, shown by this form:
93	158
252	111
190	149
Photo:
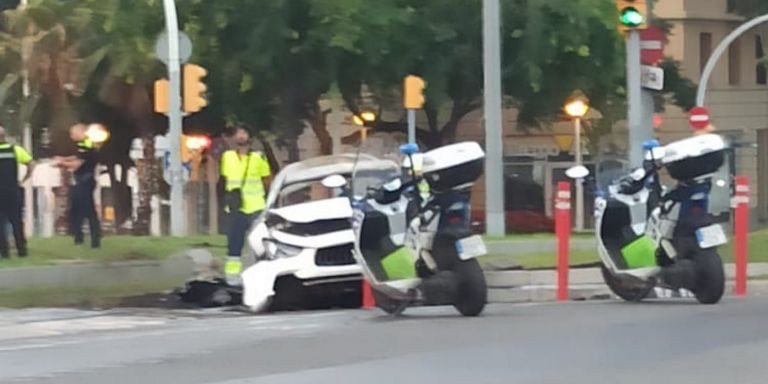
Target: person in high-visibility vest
417	171
82	206
11	196
246	175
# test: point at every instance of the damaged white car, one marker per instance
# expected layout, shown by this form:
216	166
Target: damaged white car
302	243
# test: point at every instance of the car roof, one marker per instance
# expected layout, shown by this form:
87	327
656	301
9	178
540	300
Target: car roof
319	167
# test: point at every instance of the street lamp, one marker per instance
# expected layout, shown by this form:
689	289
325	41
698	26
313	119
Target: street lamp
577	108
97	133
362	120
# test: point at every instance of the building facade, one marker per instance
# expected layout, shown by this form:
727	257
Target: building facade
738	89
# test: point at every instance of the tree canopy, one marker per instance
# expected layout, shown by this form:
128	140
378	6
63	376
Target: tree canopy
270	62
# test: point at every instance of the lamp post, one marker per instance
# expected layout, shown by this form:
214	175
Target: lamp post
26	136
576	108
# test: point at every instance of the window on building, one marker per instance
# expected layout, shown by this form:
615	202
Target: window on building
734	63
761	69
730	6
705	49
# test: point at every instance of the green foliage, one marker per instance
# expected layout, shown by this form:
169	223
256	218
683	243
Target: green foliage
270	62
750	8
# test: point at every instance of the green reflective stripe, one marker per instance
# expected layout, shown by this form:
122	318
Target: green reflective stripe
399	264
87	144
640	253
233	267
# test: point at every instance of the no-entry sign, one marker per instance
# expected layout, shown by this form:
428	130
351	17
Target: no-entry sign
698	117
652	41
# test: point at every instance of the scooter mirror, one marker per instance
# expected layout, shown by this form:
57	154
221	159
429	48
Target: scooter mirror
577	172
334	181
409	149
650	144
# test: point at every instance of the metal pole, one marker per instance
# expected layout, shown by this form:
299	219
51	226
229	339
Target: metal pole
579	182
174	119
713	59
634	100
494	161
26	136
411	126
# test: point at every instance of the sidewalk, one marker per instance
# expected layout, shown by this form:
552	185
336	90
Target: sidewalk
528	246
503	286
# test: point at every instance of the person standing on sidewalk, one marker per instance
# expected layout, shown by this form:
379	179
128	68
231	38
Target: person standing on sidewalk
81	203
246	175
11	197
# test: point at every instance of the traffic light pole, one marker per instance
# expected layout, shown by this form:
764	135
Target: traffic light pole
634	99
411	126
494	157
174	119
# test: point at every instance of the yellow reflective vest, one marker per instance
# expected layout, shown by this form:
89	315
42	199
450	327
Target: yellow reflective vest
246	173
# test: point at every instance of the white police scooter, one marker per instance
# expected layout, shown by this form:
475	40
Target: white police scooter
416	249
649	236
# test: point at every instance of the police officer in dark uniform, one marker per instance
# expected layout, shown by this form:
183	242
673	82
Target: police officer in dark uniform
81	202
10	194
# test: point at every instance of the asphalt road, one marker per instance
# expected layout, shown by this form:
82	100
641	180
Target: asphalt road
589	342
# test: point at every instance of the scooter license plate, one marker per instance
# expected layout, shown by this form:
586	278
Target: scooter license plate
711	236
470	247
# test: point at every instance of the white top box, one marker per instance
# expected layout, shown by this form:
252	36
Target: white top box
451	156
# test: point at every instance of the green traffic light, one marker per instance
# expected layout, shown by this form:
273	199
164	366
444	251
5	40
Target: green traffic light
631	17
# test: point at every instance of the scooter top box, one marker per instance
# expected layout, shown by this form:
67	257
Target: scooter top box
694	157
453	166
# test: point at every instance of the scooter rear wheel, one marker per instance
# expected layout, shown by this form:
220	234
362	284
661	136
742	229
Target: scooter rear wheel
472	293
710	276
631	294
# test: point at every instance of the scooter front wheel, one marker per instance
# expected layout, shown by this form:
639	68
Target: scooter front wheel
472	292
620	289
387	304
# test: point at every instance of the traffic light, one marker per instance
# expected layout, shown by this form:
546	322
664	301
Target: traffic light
633	14
194	88
413	92
161	96
186	152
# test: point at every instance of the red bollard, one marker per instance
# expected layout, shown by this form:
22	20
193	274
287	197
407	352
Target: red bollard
741	233
369	301
563	233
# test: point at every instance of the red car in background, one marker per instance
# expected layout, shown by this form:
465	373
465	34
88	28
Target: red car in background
518	221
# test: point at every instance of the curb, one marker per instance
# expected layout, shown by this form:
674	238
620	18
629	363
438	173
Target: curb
514	286
587	284
175	270
580	292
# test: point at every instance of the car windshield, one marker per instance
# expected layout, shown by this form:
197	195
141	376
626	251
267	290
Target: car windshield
313	190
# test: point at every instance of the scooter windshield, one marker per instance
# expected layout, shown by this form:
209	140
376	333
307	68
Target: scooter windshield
380	228
608	171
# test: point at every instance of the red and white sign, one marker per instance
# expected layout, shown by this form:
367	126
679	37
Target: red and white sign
652	42
698	117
